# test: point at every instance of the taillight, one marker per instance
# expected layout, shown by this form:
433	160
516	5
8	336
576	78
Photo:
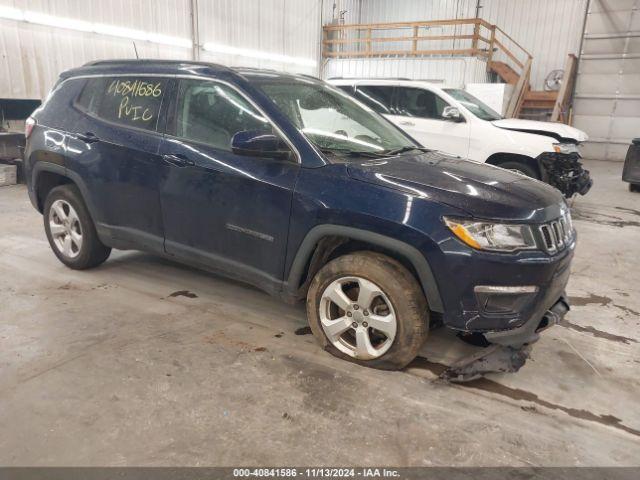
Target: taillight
28	126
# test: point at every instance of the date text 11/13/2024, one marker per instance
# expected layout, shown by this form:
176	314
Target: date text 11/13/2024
316	472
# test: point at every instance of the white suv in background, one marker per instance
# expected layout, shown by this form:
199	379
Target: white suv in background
453	121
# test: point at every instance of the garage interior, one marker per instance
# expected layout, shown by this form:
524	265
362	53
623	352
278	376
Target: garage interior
146	362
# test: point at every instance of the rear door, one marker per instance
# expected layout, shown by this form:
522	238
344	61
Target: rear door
119	160
377	97
224	210
418	111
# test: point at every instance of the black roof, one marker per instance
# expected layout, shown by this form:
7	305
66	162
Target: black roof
160	66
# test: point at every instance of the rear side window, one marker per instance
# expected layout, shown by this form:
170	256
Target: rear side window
129	101
212	113
376	97
417	102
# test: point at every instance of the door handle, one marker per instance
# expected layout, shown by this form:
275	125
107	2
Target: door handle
88	137
178	160
408	124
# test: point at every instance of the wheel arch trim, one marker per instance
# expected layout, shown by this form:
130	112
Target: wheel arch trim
495	159
418	261
41	166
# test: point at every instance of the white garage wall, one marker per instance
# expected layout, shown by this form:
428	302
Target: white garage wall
456	72
32	56
283	27
548	29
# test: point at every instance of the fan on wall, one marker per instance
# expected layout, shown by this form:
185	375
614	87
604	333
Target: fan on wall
553	80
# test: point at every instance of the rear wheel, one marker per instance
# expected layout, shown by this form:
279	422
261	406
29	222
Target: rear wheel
522	168
70	229
634	187
367	308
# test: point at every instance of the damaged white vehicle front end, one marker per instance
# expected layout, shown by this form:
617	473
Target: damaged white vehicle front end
554	146
455	122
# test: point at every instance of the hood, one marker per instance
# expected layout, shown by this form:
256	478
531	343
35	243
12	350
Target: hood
481	190
559	131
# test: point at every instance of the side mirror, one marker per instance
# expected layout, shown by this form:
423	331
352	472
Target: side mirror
257	143
452	114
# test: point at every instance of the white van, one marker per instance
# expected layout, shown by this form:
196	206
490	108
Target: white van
453	121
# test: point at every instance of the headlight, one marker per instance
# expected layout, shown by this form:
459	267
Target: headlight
498	237
565	147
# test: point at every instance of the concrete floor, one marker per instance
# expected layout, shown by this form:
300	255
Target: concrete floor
145	362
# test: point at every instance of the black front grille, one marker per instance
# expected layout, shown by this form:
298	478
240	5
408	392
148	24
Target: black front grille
557	235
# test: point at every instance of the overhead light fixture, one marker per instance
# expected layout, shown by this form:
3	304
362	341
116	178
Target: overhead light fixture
258	54
57	22
38	18
11	13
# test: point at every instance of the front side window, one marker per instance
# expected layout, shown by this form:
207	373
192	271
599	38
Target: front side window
378	97
212	113
130	101
330	119
417	102
475	106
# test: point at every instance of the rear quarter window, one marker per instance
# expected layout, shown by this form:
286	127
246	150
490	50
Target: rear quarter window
129	101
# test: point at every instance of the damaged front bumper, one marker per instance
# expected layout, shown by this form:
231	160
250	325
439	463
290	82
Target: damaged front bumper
502	304
564	171
508	350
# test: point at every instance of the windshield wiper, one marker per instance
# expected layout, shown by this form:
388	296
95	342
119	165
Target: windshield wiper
404	149
353	153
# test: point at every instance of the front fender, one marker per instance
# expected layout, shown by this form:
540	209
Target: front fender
491	140
410	253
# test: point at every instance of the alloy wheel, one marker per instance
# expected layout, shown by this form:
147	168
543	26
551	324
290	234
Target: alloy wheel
65	228
357	317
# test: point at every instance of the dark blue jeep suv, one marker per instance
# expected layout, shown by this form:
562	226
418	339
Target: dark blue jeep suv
285	182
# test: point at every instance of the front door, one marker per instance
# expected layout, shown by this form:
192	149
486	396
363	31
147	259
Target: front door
220	209
419	112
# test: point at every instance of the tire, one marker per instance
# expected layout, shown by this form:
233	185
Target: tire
85	250
391	283
522	168
634	187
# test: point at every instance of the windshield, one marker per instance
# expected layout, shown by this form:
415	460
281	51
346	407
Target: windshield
332	120
474	105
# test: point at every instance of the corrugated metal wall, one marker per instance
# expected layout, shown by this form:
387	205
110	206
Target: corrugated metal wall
607	95
286	27
450	71
32	56
548	29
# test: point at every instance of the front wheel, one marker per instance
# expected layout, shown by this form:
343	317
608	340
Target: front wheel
369	309
70	229
521	168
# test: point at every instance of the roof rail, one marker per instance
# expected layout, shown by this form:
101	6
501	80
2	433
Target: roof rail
149	61
241	67
370	78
